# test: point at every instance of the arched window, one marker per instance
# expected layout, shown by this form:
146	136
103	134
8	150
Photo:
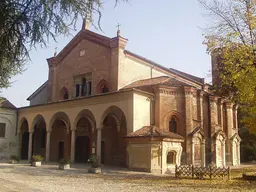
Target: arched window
104	89
83	87
173	125
63	94
171	158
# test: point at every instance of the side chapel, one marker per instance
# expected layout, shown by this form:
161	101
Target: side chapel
102	99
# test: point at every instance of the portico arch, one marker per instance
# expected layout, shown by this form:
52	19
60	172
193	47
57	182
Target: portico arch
24	138
39	136
113	146
60	136
84	129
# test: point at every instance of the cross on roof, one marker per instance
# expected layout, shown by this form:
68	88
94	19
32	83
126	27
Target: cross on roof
118	26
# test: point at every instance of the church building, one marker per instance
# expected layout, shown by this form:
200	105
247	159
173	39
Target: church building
103	99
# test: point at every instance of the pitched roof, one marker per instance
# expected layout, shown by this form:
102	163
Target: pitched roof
37	91
177	72
162	80
4	103
153	131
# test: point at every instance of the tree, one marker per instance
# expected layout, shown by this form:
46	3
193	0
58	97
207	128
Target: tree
231	36
27	23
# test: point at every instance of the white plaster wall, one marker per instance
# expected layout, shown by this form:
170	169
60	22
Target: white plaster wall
40	98
141	111
170	146
131	70
8	145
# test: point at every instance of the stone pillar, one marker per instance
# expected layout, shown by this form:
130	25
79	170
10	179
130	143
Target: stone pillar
221	114
235	116
201	109
238	153
223	154
203	153
230	126
30	145
48	143
189	120
213	114
73	143
99	143
192	152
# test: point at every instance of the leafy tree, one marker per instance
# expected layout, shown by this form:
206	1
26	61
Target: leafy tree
231	37
27	23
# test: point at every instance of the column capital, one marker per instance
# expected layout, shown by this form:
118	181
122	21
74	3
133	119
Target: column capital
189	90
213	98
221	101
229	104
201	93
99	128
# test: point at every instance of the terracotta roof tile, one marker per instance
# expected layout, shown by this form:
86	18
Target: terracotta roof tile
162	80
4	103
153	131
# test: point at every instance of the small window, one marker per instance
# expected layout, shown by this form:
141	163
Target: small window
89	88
77	90
84	90
82	52
173	125
65	97
2	129
170	158
104	89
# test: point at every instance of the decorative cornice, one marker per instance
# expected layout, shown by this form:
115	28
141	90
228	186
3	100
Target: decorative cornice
170	92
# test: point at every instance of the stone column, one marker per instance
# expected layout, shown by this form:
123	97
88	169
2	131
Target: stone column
48	143
223	154
73	143
189	120
30	145
99	143
201	109
203	153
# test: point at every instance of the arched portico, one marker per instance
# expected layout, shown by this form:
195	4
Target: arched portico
39	136
60	136
111	146
82	136
24	139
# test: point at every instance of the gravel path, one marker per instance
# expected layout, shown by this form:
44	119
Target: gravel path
24	178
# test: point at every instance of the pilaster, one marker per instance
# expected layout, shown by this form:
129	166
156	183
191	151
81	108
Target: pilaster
229	108
213	113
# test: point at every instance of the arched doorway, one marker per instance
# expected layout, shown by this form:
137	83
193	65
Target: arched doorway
83	140
39	136
24	140
60	137
113	146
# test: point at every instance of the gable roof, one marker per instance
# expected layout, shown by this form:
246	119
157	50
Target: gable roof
162	80
5	103
153	131
37	91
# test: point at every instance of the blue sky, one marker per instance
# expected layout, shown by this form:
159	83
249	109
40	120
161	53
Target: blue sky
167	32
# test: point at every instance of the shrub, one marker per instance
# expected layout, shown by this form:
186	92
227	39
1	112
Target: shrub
96	163
92	159
15	158
65	161
37	158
